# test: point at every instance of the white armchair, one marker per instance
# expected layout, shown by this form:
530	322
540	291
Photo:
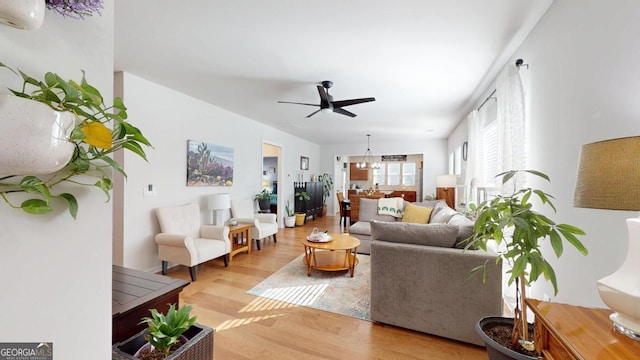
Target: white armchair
183	240
264	225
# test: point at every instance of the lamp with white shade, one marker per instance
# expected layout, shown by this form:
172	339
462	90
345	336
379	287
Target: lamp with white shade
446	188
609	178
218	202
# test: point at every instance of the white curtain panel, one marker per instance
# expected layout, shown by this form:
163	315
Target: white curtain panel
511	145
511	117
473	156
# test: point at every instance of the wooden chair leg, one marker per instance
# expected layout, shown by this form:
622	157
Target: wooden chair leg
258	243
192	271
164	267
226	260
274	238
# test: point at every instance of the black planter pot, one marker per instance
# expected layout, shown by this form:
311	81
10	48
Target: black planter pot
264	204
494	349
199	346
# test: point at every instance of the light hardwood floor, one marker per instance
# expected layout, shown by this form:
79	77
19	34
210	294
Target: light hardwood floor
248	328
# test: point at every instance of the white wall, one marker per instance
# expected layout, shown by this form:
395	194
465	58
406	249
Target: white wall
56	271
582	86
168	119
583	83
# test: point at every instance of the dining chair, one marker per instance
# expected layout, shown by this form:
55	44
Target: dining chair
345	208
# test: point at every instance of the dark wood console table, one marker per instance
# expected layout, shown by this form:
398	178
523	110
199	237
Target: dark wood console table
574	332
134	292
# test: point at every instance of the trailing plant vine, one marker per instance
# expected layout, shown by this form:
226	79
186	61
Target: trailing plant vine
100	131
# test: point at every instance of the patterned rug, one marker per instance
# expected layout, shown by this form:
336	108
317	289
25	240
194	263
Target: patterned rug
333	291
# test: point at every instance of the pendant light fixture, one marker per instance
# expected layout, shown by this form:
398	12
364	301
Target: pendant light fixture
367	156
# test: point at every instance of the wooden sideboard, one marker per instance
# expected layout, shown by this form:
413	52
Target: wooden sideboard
134	292
573	332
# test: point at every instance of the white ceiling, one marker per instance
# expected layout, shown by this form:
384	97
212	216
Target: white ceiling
427	62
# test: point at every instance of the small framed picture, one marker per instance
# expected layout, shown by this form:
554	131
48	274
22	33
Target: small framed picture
304	163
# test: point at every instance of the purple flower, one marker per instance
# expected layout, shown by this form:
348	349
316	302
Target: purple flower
76	9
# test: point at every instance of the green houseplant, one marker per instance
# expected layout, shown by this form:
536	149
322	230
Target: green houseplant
327	186
174	336
264	199
99	131
301	214
290	216
511	220
164	331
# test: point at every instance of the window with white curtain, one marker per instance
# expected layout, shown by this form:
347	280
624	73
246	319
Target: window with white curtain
409	174
488	144
393	174
401	173
379	175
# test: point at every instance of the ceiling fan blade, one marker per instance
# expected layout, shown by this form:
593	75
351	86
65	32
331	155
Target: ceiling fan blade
343	112
323	95
342	103
313	113
297	103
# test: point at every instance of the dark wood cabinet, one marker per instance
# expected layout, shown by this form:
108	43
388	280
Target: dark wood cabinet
357	174
134	292
313	207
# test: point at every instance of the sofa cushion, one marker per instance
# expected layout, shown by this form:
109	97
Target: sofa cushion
361	228
439	235
416	214
443	215
465	229
369	211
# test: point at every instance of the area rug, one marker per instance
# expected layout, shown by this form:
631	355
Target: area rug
333	291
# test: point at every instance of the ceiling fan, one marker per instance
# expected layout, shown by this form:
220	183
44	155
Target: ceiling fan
327	103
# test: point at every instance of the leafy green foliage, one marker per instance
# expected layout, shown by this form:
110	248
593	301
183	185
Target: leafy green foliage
512	220
263	195
91	159
327	185
164	330
288	209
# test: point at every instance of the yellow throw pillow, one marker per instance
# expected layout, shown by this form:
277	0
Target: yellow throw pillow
416	214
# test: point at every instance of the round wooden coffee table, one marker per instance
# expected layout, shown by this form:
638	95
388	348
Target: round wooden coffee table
329	256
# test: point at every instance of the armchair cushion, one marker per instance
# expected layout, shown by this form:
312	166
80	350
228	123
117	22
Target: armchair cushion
184	241
264	225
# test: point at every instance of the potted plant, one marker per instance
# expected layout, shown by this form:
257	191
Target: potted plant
75	9
327	186
301	214
264	199
290	217
172	336
511	221
84	143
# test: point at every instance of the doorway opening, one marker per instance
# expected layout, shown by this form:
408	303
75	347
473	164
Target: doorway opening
271	173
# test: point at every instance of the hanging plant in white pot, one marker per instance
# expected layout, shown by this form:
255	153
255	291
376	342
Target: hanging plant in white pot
22	14
72	143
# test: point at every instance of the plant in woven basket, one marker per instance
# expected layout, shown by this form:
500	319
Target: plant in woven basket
164	331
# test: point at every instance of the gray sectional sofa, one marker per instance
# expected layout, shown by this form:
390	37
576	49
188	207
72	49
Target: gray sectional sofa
420	274
441	214
421	281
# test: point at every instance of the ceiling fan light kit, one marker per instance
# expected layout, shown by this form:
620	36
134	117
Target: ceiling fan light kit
327	104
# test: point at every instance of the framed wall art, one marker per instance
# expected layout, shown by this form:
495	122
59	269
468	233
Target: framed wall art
304	163
209	164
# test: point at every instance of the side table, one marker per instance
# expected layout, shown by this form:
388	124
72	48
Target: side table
574	332
240	237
